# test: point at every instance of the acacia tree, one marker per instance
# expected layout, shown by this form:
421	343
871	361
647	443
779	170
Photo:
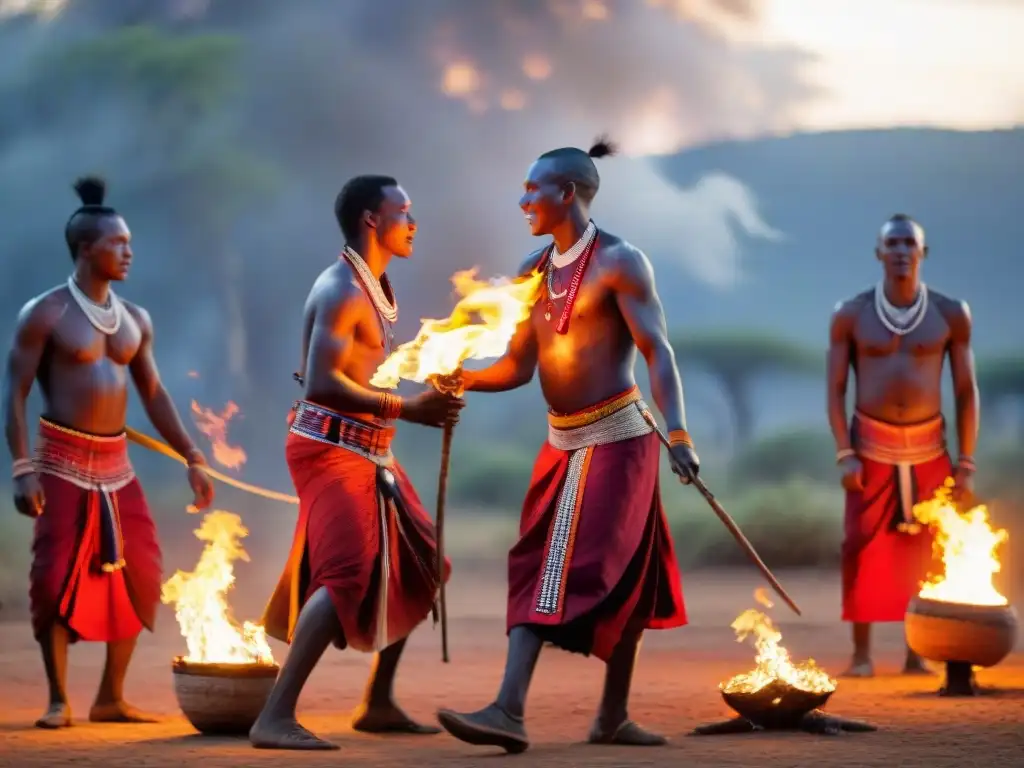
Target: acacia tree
737	359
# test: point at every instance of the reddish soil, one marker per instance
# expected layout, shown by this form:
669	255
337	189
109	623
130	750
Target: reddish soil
674	691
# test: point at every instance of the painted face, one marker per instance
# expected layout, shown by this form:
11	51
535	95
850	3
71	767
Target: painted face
545	201
394	224
901	248
110	256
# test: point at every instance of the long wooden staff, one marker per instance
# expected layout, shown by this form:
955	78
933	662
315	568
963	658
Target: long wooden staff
724	516
152	444
442	493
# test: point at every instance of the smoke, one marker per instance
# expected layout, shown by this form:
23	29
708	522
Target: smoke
454	97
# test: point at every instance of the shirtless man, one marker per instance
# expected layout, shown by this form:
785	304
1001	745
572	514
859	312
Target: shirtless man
893	454
594	565
96	565
362	569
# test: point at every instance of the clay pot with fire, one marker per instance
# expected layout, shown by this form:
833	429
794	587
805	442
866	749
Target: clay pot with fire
222	699
982	635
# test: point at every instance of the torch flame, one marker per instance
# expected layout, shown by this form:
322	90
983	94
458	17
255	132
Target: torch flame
968	545
480	326
215	427
772	659
200	599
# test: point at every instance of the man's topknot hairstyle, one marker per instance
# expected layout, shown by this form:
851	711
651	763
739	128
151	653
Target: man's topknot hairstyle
576	166
83	226
361	193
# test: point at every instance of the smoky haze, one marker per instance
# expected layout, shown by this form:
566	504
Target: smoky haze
454	97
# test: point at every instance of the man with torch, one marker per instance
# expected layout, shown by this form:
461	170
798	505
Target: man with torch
595	564
362	568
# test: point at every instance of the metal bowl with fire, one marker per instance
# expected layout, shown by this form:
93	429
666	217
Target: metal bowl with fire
225	679
777	694
959	618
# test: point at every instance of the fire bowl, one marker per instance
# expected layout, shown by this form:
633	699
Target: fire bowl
222	699
776	706
979	635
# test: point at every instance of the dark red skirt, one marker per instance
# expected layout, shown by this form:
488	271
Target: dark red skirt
884	567
96	561
339	538
619	573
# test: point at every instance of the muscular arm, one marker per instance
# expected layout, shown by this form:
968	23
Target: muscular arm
154	395
337	311
35	322
965	384
638	301
840	347
519	364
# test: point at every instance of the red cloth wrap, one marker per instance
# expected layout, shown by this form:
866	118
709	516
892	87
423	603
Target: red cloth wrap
883	566
337	543
620	573
96	561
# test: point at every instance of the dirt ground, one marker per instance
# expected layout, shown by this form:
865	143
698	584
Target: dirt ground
674	690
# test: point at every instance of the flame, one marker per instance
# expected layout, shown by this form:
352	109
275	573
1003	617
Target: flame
968	546
200	599
772	659
481	326
215	427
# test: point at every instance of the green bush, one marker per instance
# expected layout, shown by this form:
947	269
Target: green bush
791	454
793	524
491	478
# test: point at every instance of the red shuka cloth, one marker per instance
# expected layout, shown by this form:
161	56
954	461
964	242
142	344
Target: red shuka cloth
337	545
884	567
96	562
620	572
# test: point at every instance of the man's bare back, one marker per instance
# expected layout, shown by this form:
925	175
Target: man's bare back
899	378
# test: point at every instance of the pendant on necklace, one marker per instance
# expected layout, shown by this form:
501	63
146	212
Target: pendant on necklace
547	311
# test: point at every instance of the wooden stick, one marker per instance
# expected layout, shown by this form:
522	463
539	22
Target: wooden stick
442	493
724	516
152	444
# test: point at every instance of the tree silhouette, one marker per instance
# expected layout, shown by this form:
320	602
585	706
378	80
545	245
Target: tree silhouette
738	358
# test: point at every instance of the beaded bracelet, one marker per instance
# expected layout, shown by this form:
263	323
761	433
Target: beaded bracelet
966	463
390	406
843	454
680	437
22	467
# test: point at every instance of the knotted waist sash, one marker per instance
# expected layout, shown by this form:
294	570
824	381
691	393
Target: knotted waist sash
96	464
902	446
612	421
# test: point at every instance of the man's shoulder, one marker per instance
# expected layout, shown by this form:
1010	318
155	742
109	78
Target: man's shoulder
532	262
336	288
138	313
950	306
853	305
46	308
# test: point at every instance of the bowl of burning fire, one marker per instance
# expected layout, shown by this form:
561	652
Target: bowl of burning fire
981	635
222	699
778	705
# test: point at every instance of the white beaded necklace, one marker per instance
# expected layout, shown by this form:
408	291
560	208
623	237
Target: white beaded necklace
372	285
901	320
104	318
559	260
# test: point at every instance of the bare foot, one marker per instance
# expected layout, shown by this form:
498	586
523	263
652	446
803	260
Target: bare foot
119	712
57	716
626	734
489	727
387	718
860	669
286	734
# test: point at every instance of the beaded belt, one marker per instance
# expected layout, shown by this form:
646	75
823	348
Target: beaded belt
312	421
623	423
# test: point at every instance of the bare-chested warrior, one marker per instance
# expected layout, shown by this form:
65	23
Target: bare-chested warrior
96	561
362	569
594	565
893	453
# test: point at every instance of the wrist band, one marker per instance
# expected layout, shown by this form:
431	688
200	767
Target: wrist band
195	458
390	406
966	462
680	437
843	454
22	467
